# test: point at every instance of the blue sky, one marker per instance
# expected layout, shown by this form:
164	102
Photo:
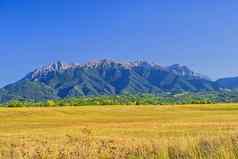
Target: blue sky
200	34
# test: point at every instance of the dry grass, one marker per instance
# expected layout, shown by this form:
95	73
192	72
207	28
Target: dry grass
120	132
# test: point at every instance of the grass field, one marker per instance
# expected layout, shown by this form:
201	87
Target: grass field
188	131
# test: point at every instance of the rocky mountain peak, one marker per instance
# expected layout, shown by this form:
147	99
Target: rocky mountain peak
106	77
181	70
53	67
184	71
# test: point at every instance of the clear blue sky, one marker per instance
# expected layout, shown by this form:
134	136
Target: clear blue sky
202	34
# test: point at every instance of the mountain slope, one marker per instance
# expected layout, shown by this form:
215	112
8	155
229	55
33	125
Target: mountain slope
184	71
27	90
104	77
228	83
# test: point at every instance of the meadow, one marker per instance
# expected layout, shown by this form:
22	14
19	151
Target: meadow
120	132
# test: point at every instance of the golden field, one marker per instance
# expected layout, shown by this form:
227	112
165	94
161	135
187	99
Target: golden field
120	132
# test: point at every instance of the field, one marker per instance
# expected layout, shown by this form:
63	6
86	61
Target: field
104	132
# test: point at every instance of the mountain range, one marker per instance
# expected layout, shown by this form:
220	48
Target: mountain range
108	77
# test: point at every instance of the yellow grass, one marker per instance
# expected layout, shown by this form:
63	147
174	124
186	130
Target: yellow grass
186	131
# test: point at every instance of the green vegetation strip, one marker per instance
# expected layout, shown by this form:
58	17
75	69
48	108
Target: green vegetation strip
128	99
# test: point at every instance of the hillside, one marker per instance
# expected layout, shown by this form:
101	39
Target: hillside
228	83
107	77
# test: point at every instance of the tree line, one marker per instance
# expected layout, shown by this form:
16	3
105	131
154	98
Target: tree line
126	99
